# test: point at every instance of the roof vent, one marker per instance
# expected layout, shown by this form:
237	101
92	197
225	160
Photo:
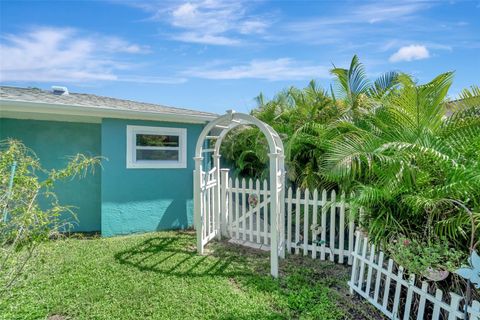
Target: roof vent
61	91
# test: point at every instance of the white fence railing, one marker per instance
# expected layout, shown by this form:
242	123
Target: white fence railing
208	205
246	221
318	224
388	288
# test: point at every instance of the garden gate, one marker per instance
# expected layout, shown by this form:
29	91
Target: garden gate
210	202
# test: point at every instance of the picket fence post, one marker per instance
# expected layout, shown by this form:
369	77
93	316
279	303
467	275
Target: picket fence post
265	213
230	208
306	209
324	225
314	224
224	201
289	220
257	210
297	221
237	209
439	307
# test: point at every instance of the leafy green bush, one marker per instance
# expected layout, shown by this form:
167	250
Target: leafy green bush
411	167
420	257
300	117
409	155
23	222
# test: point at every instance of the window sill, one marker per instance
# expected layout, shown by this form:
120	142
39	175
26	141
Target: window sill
156	166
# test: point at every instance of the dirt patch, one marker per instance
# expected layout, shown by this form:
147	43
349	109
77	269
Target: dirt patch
235	286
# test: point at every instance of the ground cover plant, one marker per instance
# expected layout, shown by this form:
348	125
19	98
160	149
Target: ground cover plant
160	276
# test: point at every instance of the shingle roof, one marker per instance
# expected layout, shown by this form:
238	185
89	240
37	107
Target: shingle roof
90	100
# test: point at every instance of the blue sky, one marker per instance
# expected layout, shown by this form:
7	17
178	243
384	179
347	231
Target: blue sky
216	55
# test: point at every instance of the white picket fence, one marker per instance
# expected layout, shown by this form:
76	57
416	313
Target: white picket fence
317	223
320	225
244	221
209	205
385	285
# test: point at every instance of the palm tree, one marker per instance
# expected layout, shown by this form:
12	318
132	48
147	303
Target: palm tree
356	91
245	151
409	164
300	116
306	143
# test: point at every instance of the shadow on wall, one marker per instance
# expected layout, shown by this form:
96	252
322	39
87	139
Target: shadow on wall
147	215
176	216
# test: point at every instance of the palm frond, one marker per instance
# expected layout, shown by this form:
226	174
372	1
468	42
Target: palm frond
351	83
383	84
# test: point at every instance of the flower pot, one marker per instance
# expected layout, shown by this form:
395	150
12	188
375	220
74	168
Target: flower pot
436	275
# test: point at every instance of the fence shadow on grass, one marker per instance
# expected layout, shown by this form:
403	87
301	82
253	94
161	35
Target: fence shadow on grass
177	256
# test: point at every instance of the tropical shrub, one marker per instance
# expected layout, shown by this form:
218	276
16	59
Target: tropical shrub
24	223
305	119
356	92
300	117
414	169
409	155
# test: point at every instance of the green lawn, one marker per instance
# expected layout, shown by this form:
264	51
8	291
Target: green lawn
160	276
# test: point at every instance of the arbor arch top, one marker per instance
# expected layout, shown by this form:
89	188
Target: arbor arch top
223	124
210	209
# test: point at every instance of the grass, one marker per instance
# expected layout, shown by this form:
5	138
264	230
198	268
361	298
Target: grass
160	276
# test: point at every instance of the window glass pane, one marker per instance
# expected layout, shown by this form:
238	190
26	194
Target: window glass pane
153	140
168	155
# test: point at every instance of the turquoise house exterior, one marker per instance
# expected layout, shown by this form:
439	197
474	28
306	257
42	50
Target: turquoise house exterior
146	180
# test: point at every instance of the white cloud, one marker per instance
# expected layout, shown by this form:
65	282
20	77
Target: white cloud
369	13
212	39
253	26
212	22
150	79
409	53
349	26
66	55
388	11
118	45
273	70
395	43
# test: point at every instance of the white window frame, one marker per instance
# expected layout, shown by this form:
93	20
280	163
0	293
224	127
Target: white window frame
132	162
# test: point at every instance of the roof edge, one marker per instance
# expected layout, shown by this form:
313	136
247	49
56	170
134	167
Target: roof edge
100	112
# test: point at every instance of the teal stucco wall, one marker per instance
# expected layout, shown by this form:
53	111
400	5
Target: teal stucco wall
140	200
53	142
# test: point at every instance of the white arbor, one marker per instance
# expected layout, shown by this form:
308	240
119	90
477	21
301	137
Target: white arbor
211	192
